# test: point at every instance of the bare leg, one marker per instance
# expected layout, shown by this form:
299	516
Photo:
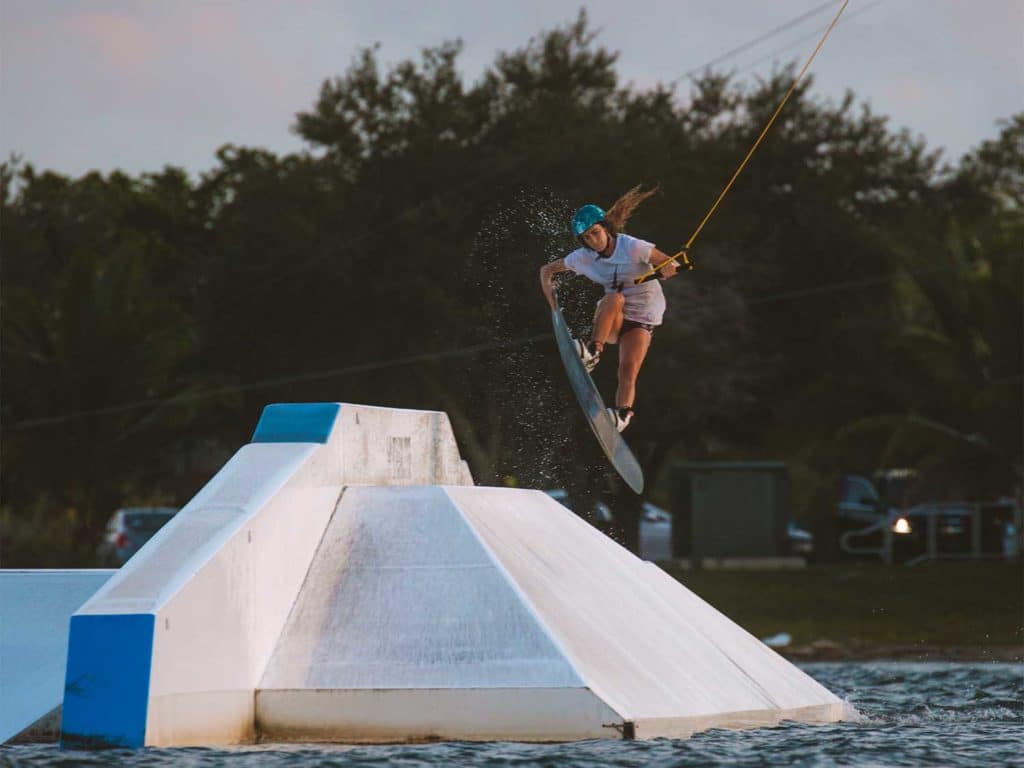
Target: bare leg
607	320
633	346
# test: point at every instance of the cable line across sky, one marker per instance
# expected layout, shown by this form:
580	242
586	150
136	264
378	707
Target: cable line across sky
796	21
440	355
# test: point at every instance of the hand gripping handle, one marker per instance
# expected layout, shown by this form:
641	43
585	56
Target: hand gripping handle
684	262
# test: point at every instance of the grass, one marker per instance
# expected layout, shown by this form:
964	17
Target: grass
964	604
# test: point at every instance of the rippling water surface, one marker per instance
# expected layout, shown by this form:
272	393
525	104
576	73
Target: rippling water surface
914	714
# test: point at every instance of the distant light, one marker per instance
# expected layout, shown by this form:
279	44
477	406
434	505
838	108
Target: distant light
901	526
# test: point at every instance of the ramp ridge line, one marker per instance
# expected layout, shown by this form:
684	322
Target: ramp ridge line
588	529
198	559
527	601
295	603
699	628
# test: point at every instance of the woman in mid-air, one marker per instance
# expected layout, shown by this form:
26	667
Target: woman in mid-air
628	313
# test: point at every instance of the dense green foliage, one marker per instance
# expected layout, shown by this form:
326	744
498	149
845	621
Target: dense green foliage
856	303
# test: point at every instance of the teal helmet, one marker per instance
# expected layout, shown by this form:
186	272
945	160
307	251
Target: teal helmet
586	217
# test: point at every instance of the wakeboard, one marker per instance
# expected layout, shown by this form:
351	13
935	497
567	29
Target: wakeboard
601	422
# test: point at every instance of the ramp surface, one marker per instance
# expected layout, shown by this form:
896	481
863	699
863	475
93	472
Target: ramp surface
648	647
402	594
407	628
35	608
471	613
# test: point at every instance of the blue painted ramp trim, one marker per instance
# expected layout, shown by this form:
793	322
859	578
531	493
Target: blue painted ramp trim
296	423
106	689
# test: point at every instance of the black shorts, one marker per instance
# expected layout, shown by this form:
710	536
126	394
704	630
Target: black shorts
629	325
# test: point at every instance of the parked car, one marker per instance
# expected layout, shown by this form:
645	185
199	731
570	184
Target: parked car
864	506
128	529
653	514
655	533
886	520
600	516
655	525
800	542
955	530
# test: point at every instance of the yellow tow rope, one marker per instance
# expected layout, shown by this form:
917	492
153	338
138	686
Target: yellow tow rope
685	249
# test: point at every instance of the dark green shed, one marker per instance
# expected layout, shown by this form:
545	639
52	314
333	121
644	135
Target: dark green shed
730	509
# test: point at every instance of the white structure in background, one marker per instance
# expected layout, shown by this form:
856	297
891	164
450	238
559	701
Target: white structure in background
34	610
341	579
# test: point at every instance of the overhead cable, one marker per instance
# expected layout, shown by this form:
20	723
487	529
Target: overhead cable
428	357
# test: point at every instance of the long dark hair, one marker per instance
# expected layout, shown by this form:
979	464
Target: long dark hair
620	211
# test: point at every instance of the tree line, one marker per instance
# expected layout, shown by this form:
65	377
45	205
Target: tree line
856	301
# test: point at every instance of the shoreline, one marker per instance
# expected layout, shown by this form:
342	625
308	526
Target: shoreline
827	650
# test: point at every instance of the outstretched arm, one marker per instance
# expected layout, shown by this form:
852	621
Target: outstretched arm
547	279
657	259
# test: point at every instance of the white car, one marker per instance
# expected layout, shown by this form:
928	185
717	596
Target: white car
655	525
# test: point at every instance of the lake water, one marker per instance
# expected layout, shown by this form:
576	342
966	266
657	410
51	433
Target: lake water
915	713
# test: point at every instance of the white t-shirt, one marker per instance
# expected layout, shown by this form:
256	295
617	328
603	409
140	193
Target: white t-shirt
645	303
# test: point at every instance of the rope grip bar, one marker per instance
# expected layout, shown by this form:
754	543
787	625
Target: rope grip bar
686	264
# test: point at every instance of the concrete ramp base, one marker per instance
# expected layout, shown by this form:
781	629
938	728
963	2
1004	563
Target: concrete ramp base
685	727
203	717
390	716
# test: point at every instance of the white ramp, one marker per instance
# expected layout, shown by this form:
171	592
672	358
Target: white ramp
170	650
340	579
485	613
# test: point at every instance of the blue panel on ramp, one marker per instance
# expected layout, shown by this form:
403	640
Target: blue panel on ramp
296	423
106	689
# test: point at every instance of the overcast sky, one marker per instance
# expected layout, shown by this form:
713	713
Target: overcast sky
139	84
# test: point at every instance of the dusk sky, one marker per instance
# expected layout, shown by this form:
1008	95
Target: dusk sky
136	85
